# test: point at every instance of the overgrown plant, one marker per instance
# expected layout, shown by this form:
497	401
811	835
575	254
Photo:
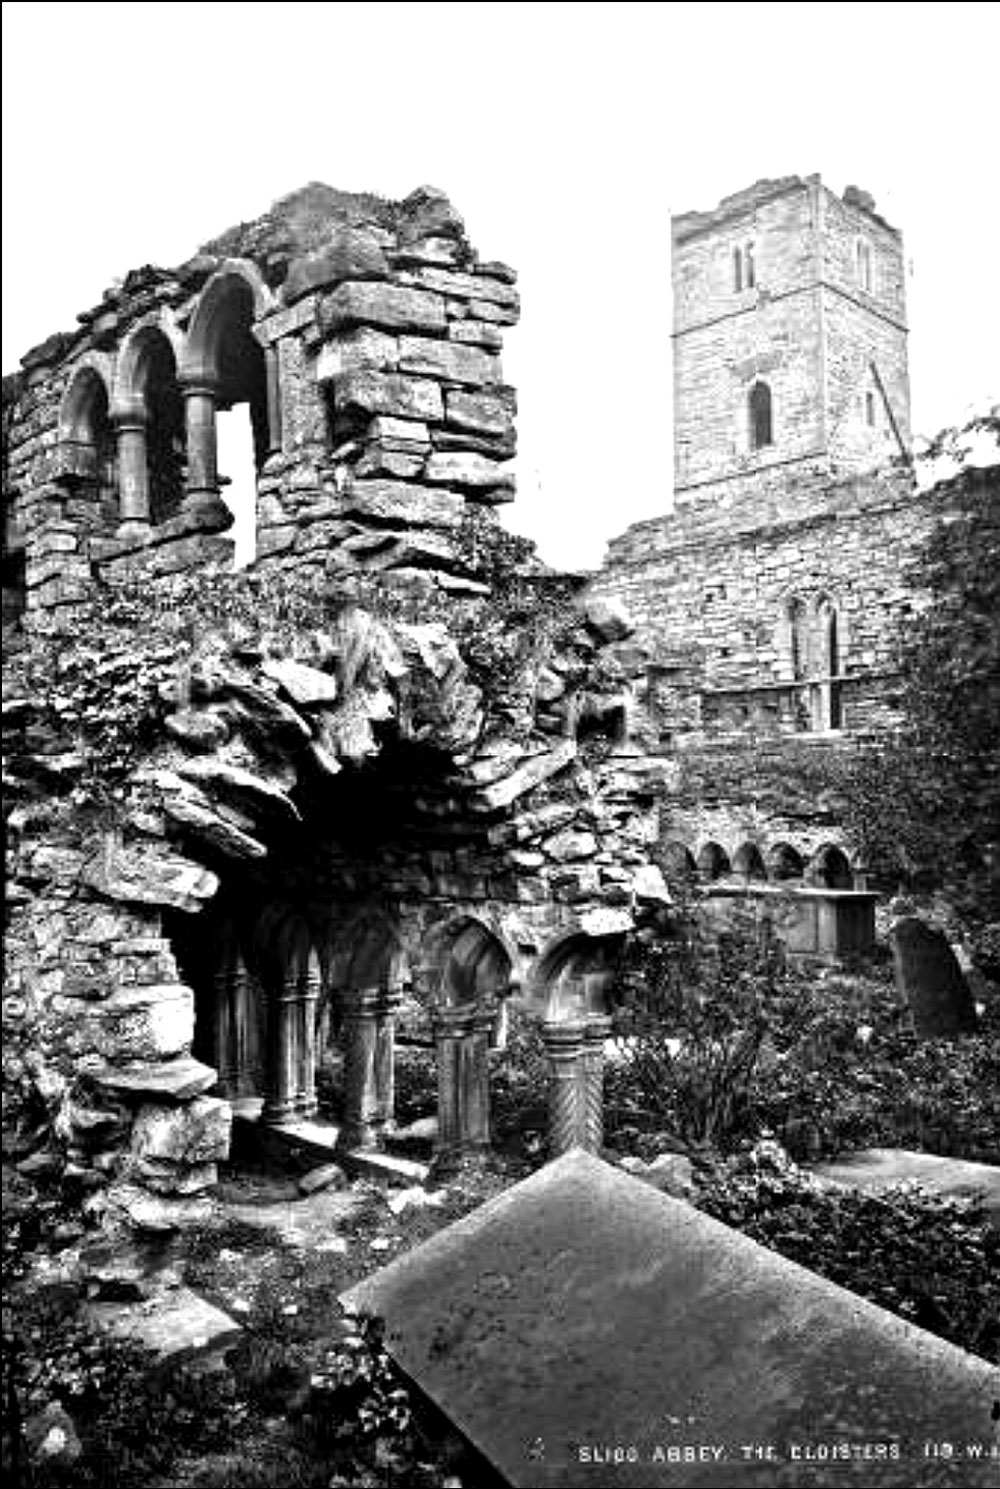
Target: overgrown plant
695	1007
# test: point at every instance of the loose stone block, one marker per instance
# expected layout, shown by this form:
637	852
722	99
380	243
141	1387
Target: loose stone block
584	1328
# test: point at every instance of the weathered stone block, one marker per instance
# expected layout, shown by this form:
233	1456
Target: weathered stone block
168	1080
354	254
403	502
141	1024
368	393
149	875
196	1133
363	347
468	471
484	413
393	307
449	360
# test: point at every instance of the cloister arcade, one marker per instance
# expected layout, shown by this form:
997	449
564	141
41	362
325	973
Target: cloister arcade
280	989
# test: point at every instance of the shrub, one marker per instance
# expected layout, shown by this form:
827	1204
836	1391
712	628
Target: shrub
932	1261
695	1010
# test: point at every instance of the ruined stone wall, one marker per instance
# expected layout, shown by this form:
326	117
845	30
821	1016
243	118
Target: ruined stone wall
713	589
363	334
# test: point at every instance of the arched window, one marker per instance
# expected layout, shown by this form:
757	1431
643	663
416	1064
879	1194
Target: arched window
87	442
865	271
748	862
744	271
759	408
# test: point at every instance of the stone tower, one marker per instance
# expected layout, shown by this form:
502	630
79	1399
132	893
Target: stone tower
789	339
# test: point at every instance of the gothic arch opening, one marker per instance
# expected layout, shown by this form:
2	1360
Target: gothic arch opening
784	862
748	862
678	863
226	369
713	862
154	460
574	975
87	444
473	967
830	868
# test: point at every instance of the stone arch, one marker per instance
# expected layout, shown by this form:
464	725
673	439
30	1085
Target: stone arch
784	862
149	412
224	365
678	862
87	446
748	862
199	357
830	868
713	862
573	976
468	963
284	948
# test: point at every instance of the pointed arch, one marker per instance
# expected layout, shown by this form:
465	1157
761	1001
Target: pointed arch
713	862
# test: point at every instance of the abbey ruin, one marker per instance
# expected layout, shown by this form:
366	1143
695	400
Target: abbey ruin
326	828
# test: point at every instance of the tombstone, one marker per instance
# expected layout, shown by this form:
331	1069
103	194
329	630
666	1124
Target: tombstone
584	1328
930	980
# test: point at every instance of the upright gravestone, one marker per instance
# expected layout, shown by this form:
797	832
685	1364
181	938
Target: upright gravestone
585	1329
930	980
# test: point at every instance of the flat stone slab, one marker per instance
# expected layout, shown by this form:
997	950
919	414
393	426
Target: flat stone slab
584	1329
171	1323
875	1169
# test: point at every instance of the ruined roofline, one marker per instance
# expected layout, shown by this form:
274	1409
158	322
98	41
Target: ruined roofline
693	224
296	225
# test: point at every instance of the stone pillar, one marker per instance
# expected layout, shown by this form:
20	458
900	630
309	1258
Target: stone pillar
565	1046
273	374
462	1036
598	1029
281	1065
385	1058
133	473
309	990
202	460
363	1099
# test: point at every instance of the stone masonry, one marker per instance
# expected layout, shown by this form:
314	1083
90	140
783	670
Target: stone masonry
774	596
326	828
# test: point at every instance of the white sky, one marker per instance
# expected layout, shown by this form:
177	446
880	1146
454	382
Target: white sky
565	134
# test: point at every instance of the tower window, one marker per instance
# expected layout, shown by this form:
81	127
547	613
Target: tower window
759	408
870	408
744	271
864	264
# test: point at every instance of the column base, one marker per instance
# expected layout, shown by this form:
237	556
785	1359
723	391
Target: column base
208	509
